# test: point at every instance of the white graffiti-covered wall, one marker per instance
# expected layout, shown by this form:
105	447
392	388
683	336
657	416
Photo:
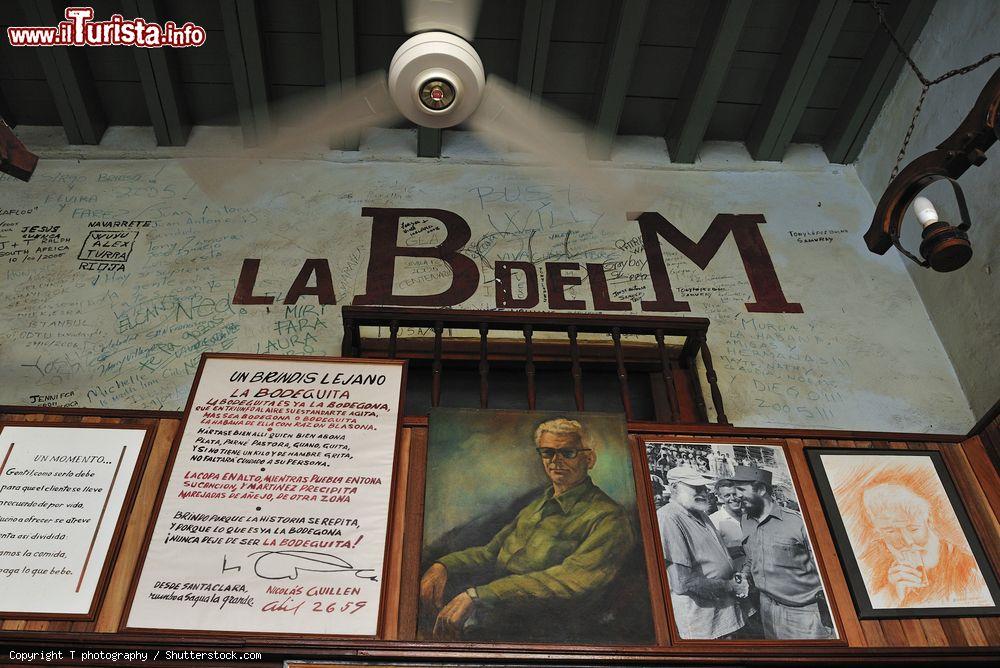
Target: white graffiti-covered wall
115	275
963	305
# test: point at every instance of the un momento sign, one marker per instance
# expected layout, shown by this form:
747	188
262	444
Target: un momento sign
274	515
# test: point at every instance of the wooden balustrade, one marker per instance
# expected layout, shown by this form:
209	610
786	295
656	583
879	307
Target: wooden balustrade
623	332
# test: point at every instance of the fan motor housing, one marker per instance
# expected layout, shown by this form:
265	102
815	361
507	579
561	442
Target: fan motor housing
436	79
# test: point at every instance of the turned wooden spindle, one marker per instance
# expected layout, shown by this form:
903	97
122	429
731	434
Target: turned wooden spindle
436	365
393	335
484	366
575	369
689	356
616	336
529	366
713	381
673	410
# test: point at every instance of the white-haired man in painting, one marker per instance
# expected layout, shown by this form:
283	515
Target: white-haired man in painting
559	552
911	564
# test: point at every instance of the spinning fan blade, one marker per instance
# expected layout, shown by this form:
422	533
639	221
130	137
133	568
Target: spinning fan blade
454	16
508	117
15	159
243	177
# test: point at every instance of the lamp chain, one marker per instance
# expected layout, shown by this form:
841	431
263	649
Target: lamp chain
926	83
909	133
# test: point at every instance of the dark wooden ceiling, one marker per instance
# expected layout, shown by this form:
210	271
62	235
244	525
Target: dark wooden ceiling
763	72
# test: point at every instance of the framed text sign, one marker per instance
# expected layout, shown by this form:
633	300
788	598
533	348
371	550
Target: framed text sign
273	517
63	491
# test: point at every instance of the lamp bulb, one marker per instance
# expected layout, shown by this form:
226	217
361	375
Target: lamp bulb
925	211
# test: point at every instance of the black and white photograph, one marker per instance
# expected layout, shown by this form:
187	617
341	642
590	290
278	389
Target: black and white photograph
739	559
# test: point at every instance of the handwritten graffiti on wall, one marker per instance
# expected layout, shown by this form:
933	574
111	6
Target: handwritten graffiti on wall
118	318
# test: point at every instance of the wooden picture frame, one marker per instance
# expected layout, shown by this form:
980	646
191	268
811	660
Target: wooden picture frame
111	556
657	548
858	584
412	545
387	585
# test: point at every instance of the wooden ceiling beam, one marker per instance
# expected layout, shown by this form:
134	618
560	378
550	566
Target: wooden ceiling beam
810	40
161	84
611	100
339	58
536	32
713	54
429	142
243	42
69	78
874	80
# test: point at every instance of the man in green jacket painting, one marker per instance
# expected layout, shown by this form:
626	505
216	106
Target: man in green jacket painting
560	551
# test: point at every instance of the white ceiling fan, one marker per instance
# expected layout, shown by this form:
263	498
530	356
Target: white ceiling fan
436	79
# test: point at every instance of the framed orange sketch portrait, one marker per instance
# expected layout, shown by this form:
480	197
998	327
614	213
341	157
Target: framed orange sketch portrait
905	540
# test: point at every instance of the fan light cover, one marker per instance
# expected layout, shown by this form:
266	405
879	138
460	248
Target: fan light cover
432	58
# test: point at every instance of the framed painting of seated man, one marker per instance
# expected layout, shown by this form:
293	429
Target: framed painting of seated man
531	531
